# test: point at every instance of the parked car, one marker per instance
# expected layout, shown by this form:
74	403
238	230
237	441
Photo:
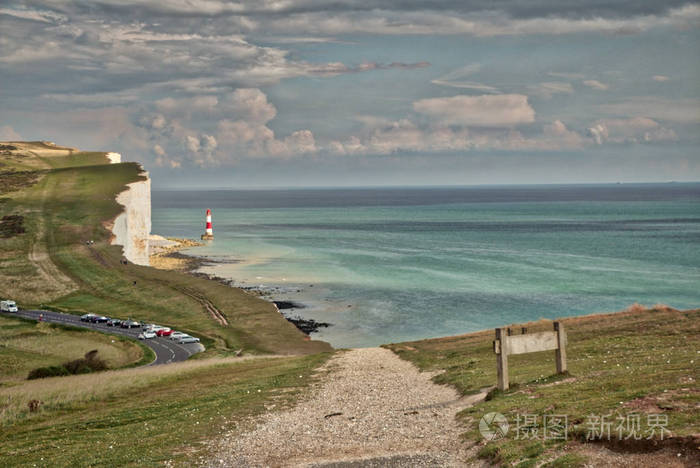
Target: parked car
130	324
101	319
188	339
114	322
154	328
176	335
8	306
146	335
164	332
87	317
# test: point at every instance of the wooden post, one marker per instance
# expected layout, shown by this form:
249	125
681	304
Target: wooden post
502	358
560	352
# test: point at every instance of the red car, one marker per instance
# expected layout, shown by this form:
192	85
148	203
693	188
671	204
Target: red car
164	332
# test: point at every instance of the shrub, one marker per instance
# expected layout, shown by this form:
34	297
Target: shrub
43	372
90	363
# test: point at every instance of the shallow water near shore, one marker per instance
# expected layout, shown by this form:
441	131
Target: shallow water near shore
394	264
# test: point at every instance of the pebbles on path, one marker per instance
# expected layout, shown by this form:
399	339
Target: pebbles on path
371	409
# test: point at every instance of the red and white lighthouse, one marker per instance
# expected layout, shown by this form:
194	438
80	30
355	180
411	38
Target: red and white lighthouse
209	233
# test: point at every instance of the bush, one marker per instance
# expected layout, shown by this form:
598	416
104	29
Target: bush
43	372
90	363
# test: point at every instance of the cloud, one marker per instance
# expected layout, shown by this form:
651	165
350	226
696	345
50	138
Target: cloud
407	136
557	136
660	78
189	105
550	88
253	104
192	143
630	130
568	75
44	16
503	110
7	133
482	20
456	79
595	84
300	142
467	85
256	9
685	111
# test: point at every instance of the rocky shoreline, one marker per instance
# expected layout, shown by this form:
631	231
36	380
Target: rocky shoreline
307	326
167	256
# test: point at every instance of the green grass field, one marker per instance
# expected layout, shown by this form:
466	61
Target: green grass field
26	345
146	416
51	266
639	361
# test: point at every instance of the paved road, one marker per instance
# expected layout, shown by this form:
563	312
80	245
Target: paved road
166	350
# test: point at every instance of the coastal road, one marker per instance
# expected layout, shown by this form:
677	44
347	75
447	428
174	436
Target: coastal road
166	350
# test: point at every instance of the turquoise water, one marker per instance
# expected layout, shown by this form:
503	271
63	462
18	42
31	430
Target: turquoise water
386	265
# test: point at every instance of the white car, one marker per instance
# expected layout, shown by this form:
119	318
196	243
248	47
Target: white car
177	335
147	335
188	339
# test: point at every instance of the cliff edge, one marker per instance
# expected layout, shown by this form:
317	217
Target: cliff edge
132	227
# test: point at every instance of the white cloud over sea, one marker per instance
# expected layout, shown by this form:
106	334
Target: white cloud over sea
198	84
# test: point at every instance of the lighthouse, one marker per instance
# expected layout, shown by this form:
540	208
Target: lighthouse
209	233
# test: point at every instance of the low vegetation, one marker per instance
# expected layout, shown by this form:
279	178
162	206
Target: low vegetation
91	362
27	345
144	416
638	362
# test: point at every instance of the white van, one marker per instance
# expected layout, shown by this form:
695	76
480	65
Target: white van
8	306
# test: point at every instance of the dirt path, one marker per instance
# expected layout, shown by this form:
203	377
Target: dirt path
211	309
54	282
372	409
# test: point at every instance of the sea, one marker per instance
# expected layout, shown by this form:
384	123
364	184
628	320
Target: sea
393	264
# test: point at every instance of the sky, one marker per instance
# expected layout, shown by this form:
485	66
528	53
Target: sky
284	93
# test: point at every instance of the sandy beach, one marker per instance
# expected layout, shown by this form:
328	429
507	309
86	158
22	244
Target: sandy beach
165	253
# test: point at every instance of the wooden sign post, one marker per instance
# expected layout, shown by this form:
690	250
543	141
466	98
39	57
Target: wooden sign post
506	344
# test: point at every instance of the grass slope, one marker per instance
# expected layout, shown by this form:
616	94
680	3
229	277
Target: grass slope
50	265
637	361
26	345
146	416
128	417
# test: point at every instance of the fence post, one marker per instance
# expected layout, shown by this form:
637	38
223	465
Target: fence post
502	337
560	353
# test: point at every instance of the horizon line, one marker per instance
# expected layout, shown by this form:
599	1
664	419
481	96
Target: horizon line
416	186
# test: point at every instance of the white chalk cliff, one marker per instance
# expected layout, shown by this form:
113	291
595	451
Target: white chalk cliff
114	158
132	228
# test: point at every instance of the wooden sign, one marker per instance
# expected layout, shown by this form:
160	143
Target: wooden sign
506	344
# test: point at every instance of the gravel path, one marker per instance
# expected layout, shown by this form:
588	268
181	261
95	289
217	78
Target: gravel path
372	409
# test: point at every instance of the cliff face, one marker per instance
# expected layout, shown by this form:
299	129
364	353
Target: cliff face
132	228
114	158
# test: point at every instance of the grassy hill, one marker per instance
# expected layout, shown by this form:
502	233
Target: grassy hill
145	416
27	345
64	197
52	200
641	361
